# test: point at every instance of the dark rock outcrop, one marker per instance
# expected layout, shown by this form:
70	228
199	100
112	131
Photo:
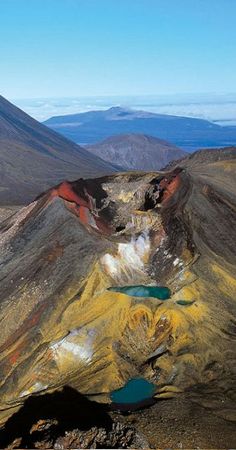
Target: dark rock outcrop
66	419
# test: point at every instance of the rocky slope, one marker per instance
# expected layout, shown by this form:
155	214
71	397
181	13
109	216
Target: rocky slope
186	132
122	278
34	158
137	151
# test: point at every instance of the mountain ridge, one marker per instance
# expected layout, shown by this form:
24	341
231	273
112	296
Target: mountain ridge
34	158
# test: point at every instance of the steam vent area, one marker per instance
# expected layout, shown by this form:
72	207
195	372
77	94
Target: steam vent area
120	292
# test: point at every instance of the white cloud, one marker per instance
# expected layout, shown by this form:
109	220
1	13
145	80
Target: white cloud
221	108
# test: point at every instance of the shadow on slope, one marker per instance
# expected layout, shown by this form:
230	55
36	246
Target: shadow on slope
49	416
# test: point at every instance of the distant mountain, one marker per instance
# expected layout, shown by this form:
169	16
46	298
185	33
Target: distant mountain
34	158
185	132
137	151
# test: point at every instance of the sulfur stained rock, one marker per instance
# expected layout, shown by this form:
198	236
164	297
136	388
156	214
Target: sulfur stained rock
60	323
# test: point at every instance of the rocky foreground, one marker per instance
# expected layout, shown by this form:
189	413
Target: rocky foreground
72	326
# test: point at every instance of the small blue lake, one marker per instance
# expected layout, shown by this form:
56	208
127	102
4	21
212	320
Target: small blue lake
185	302
160	292
135	391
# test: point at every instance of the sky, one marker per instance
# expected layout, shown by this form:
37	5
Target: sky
70	48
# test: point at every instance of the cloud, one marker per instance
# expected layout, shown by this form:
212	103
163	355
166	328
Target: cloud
219	108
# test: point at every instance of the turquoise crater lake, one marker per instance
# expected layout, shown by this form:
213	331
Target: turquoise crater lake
160	292
135	391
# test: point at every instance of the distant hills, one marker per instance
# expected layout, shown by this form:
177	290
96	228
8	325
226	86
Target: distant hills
137	151
34	158
188	133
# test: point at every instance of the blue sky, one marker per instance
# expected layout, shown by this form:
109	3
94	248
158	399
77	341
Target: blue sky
65	48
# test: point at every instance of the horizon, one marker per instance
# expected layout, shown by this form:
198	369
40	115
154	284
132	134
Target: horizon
218	108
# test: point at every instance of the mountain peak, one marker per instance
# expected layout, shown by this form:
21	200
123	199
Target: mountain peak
120	109
137	151
117	109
